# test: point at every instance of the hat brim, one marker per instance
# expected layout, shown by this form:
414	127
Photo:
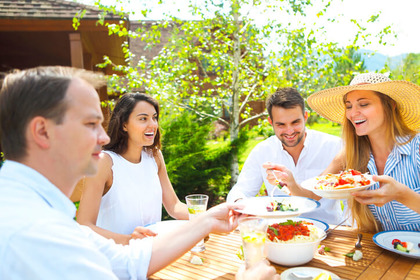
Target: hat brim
329	103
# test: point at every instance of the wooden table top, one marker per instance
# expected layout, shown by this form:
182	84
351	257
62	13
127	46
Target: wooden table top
221	261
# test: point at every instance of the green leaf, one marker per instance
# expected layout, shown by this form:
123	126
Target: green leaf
274	229
290	222
240	253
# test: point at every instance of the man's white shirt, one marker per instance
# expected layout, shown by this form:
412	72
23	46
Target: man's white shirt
318	152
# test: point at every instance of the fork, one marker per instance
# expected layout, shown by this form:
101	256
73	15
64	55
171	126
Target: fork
331	230
277	179
358	244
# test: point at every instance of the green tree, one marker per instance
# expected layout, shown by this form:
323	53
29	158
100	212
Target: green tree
350	62
193	166
408	70
217	65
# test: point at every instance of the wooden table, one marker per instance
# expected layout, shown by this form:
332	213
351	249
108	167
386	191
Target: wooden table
221	261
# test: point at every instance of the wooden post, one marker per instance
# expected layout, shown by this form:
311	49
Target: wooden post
76	55
76	50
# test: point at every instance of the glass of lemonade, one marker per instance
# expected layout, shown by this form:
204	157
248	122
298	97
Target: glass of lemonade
197	203
253	233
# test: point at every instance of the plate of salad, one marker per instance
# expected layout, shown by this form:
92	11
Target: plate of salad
405	243
339	186
277	206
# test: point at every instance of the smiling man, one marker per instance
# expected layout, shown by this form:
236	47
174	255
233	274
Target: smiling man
306	153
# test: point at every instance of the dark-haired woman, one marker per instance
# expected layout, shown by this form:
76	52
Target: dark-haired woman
132	181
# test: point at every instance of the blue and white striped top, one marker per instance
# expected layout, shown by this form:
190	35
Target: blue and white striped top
403	164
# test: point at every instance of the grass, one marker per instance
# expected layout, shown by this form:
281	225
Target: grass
250	144
327	127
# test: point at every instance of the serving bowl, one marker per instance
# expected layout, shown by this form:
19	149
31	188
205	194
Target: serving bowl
293	254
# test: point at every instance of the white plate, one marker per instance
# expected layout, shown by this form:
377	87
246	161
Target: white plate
166	226
384	239
334	194
305	270
319	224
257	206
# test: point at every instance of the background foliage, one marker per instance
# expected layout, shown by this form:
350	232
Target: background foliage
408	70
227	58
211	69
194	164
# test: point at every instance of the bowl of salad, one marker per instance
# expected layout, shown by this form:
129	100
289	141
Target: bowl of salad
292	243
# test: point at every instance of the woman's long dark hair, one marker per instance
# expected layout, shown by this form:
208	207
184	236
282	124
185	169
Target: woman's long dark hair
123	108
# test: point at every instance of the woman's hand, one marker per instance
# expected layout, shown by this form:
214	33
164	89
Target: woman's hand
260	271
223	217
389	190
142	232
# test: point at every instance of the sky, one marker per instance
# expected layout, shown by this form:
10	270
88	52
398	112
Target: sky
403	16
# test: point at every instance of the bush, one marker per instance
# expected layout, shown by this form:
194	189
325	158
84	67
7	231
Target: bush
192	165
263	129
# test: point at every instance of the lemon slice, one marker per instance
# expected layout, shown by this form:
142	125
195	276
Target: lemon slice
254	237
196	260
323	276
195	209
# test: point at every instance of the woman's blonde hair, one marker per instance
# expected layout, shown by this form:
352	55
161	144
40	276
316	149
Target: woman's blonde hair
357	150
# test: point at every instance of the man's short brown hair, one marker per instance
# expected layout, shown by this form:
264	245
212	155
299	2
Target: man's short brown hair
39	91
286	98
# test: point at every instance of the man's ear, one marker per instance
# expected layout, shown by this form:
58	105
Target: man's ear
270	121
38	131
306	115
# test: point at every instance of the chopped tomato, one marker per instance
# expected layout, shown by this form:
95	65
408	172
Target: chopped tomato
396	240
343	182
355	172
404	244
286	232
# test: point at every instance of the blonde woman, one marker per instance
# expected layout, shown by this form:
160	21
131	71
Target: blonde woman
380	119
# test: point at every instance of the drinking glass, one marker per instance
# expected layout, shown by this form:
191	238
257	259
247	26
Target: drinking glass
253	233
197	203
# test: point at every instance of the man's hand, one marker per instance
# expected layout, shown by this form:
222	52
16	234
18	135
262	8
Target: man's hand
282	176
286	176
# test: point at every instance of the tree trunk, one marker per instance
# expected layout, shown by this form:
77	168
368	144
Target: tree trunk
234	123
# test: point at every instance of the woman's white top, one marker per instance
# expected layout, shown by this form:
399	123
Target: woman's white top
135	196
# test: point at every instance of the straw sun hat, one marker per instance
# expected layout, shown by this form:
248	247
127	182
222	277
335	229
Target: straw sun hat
329	103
